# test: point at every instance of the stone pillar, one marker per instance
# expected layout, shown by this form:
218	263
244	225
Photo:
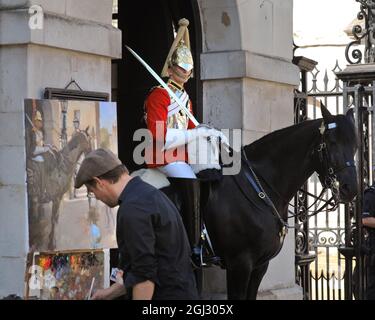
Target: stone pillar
76	41
248	81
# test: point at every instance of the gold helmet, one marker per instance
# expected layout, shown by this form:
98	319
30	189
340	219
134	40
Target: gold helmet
180	53
38	116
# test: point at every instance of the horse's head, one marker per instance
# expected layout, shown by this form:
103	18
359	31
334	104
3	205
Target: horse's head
336	150
81	140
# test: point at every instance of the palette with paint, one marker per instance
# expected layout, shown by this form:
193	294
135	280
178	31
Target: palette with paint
64	276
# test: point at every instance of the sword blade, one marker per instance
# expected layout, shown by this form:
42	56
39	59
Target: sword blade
31	123
164	85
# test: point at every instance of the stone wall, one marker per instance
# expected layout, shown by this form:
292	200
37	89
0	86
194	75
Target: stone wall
77	42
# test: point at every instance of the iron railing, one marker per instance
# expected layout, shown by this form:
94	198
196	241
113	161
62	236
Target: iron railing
364	34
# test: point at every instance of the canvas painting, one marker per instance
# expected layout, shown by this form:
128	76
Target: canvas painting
58	136
64	276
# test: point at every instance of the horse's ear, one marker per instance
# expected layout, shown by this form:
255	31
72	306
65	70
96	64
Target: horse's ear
87	129
350	114
325	112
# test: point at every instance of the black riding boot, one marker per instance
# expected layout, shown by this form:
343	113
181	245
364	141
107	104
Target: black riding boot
189	194
189	191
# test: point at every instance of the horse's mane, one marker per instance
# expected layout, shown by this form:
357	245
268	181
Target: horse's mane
264	144
267	141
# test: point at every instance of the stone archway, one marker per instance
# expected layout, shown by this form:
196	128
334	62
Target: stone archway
147	28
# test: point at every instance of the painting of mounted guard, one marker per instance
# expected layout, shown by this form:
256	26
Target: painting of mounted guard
58	135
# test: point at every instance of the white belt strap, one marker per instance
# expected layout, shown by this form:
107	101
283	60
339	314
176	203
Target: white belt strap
173	108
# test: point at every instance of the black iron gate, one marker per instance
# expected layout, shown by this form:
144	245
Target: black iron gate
330	260
329	256
320	269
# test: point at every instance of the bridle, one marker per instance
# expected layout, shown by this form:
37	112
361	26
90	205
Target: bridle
328	175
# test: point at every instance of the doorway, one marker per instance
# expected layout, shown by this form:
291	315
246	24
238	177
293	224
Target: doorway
148	28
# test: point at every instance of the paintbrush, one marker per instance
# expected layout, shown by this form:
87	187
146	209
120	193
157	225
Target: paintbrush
91	287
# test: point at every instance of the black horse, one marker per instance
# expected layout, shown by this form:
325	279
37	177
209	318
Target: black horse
247	231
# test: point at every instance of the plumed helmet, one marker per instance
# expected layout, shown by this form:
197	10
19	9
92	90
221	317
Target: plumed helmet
180	53
38	116
182	57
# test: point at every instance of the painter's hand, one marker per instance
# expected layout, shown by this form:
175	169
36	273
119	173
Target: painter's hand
114	291
102	294
119	277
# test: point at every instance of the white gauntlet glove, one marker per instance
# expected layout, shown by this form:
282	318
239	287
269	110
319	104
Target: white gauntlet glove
178	137
39	150
214	133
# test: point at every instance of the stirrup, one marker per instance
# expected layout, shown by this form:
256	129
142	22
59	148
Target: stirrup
203	254
201	258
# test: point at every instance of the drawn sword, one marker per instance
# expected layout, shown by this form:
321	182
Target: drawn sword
31	123
165	86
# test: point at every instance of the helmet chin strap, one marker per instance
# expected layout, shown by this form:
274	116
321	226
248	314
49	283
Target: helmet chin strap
179	74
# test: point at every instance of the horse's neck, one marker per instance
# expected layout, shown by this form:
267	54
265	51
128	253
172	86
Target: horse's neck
287	162
71	156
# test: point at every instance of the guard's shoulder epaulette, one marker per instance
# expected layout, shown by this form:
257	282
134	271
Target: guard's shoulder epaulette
155	87
152	89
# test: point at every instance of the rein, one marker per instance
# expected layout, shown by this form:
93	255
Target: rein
319	199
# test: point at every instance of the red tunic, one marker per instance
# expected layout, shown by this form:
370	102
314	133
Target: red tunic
161	115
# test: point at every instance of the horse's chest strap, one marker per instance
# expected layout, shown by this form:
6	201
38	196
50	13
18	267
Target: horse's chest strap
260	193
266	199
254	181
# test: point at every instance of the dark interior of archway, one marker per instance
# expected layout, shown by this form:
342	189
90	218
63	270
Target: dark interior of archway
147	28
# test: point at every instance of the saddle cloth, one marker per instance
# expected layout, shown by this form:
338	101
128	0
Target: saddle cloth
153	177
203	155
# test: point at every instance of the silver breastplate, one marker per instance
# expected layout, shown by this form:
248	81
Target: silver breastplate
176	117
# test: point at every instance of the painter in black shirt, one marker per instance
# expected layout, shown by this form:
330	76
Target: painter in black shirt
152	241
